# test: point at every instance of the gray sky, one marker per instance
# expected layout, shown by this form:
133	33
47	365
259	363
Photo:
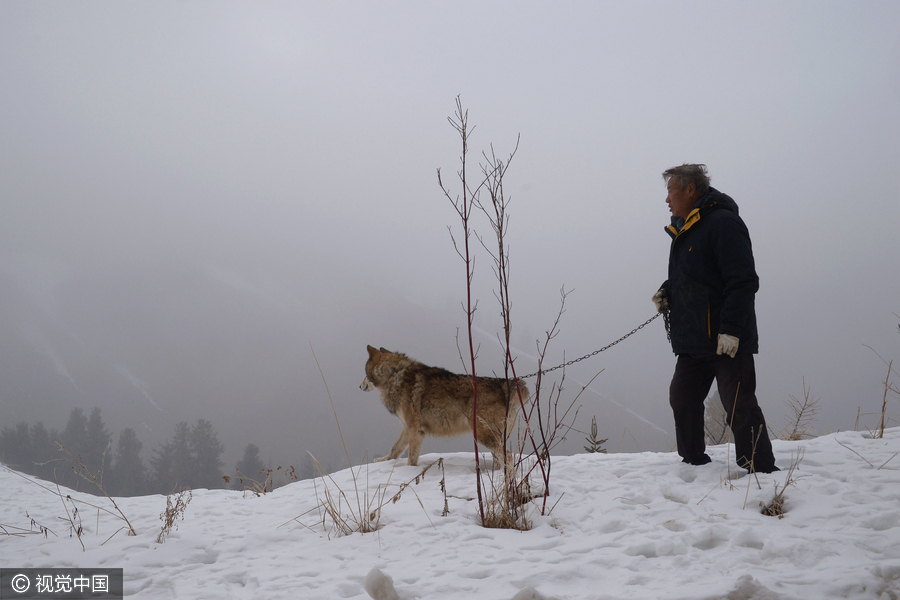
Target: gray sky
291	147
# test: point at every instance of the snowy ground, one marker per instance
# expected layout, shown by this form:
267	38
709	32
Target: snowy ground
625	526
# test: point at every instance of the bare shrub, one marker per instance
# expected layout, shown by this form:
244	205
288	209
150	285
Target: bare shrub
464	205
546	419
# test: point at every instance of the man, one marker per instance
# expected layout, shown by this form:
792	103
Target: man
710	298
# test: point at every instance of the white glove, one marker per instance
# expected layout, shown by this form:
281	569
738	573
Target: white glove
728	344
660	300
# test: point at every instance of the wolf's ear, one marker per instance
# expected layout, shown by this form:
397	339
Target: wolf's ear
385	350
372	351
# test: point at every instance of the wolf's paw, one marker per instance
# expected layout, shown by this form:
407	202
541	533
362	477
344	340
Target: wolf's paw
382	459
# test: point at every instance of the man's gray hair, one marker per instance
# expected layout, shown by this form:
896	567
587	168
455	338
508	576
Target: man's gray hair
687	174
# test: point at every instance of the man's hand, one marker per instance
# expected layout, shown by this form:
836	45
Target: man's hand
728	344
661	300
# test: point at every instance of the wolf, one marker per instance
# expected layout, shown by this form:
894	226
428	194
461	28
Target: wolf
434	401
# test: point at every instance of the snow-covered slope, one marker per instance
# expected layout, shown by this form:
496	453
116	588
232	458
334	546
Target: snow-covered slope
624	526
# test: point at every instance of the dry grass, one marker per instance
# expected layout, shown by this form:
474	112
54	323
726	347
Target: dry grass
776	508
260	488
174	512
715	421
336	511
510	493
97	479
35	529
883	465
71	504
341	514
336	505
891	390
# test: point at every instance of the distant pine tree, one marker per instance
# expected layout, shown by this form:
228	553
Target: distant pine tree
74	436
128	475
15	447
189	460
160	478
44	452
183	467
207	450
306	470
249	467
97	451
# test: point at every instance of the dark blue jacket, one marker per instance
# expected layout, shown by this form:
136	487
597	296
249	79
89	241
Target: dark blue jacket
712	278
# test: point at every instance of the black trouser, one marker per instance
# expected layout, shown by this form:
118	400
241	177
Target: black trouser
736	380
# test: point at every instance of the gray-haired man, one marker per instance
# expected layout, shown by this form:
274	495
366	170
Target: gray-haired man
710	297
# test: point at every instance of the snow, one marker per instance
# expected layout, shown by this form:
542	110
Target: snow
623	526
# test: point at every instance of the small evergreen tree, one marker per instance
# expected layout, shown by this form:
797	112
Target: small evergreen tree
596	445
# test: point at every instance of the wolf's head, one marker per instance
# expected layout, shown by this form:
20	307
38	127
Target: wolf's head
382	368
370	383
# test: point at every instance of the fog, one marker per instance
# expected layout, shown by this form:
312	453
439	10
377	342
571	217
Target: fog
204	203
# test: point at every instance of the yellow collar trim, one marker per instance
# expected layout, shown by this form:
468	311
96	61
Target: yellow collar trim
692	218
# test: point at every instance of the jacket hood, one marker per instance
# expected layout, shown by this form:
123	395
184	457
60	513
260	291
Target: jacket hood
711	200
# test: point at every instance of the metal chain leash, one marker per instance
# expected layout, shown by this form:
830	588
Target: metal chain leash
663	313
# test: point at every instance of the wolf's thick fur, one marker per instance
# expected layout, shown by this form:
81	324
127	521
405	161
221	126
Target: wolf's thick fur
434	401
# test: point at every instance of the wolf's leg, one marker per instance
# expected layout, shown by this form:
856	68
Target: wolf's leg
398	447
416	437
493	441
500	455
510	460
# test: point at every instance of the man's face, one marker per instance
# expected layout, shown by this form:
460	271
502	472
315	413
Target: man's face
680	201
